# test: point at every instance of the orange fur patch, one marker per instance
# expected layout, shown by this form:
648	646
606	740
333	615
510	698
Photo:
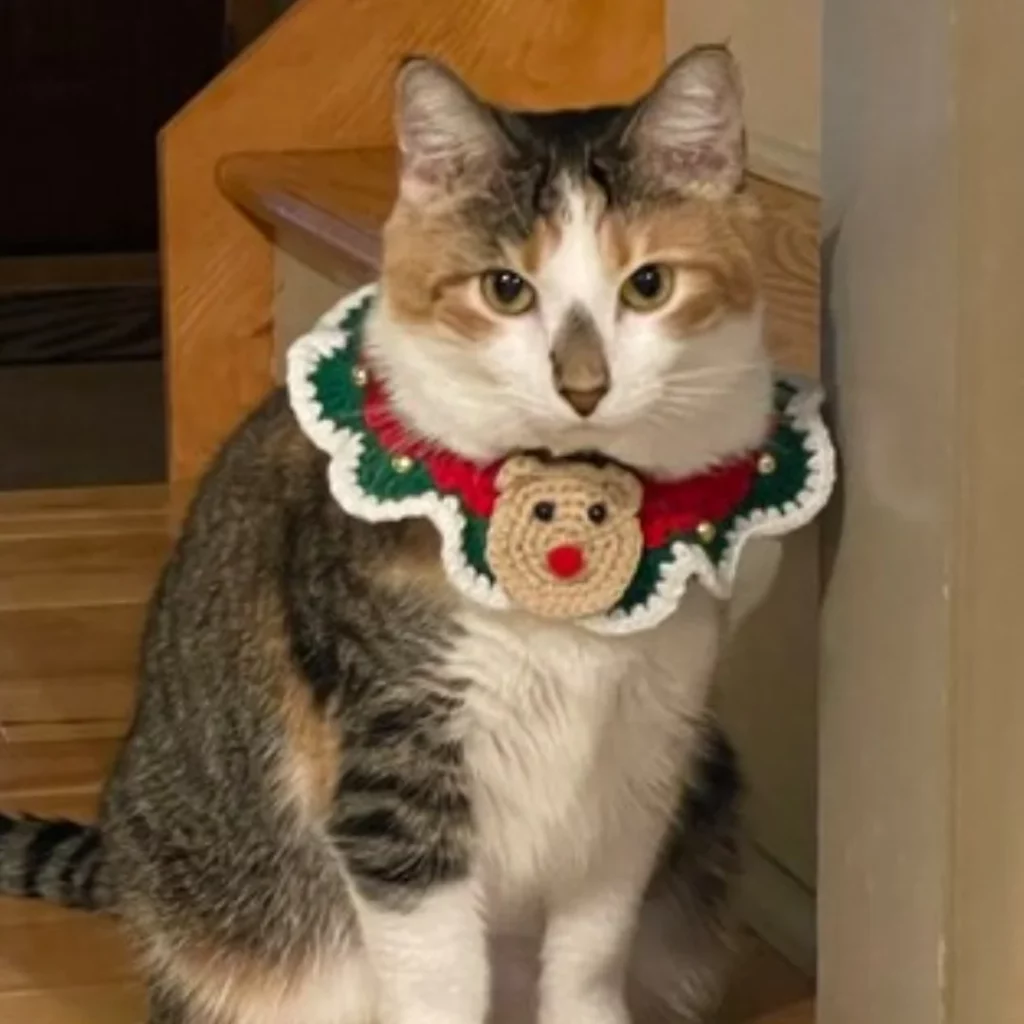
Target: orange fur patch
713	246
430	259
415	566
311	751
614	239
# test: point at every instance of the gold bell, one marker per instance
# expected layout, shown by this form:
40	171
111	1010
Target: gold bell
706	531
360	376
401	463
767	464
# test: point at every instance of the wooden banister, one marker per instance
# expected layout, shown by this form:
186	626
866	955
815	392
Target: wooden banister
325	207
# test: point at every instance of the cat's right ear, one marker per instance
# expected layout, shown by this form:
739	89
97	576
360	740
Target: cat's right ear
444	130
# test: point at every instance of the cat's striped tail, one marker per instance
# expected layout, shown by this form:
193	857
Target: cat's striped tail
58	861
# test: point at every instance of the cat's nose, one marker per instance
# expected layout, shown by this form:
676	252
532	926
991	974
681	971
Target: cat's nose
578	362
584	401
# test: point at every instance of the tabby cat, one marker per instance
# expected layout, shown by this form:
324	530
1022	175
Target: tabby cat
351	796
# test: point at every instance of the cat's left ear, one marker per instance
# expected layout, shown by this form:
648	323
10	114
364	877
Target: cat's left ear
688	131
444	129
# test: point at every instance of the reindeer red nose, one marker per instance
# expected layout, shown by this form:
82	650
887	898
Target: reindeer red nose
566	561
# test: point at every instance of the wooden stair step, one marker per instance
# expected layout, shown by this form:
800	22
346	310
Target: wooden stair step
65	707
84	503
52	642
79	570
55	766
114	1003
42	956
81	547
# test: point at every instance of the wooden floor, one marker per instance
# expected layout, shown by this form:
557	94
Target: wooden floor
75	570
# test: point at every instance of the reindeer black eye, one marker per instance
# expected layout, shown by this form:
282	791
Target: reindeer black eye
597	514
544	511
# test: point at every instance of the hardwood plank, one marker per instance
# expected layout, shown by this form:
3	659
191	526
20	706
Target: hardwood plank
60	642
86	1004
83	502
72	707
77	571
77	804
81	949
111	523
30	769
83	511
63	730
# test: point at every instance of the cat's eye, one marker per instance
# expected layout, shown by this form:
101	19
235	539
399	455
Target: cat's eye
507	292
648	288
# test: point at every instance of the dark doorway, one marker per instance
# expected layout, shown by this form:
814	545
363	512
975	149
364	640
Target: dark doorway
84	87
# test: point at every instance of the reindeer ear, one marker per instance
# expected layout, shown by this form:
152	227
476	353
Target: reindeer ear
516	468
688	131
443	128
623	489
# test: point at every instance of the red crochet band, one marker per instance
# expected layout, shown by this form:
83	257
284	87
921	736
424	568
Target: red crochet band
670	507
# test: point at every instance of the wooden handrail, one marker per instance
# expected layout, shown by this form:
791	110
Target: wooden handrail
326	207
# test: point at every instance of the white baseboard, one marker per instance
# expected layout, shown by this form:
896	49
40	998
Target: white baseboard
784	162
779	909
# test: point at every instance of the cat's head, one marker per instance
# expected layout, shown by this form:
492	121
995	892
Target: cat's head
575	280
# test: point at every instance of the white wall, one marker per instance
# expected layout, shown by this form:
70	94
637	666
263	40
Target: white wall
778	43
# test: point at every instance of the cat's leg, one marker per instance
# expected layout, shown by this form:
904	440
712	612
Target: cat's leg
403	823
589	936
686	931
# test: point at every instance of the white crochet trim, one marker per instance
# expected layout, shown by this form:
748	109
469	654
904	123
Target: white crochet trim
345	446
691	560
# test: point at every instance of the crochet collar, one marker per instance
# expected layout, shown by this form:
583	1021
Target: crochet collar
494	547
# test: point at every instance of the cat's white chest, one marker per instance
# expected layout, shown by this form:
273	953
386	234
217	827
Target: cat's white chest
574	740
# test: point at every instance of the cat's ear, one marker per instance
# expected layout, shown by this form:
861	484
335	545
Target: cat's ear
444	129
689	128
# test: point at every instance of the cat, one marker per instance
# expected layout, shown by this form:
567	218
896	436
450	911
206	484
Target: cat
350	796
